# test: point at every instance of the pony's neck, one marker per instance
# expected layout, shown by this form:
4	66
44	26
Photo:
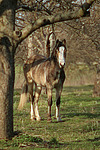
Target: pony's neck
54	62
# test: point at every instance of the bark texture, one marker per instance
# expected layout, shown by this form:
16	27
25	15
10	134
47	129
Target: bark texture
6	68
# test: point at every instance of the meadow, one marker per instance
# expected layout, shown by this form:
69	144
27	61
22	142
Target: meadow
79	129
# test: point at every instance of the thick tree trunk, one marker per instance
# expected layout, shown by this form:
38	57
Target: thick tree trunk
6	93
6	68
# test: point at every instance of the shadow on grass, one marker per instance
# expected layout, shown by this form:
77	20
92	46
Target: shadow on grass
87	115
17	133
21	140
24	140
95	139
83	144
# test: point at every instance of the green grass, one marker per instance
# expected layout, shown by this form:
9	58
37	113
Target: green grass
79	129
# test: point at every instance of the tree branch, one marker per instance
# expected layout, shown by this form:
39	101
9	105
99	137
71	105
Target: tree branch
51	19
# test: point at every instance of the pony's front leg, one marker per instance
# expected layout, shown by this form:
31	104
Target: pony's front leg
32	110
31	98
49	92
58	95
36	99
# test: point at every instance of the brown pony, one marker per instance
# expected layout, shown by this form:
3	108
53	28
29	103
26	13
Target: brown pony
44	72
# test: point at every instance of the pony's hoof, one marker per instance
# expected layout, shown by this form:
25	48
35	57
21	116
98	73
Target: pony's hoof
33	119
49	120
38	119
59	119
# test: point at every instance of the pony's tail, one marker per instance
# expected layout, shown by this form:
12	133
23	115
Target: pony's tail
23	97
48	44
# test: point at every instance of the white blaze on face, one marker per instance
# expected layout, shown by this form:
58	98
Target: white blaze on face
61	56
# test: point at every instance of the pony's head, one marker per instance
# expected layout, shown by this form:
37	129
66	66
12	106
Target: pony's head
59	52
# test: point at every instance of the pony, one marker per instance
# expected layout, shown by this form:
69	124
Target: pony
46	72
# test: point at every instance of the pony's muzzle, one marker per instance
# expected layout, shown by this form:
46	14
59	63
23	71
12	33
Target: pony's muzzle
62	64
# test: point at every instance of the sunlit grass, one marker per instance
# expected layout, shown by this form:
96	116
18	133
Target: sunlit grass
79	129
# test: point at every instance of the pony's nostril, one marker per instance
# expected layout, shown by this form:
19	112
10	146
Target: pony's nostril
62	64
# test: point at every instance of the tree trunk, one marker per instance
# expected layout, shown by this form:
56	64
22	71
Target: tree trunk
96	91
6	68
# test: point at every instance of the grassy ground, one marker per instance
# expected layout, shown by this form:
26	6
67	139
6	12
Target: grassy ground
79	129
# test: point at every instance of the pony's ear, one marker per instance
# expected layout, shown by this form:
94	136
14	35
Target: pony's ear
64	42
57	41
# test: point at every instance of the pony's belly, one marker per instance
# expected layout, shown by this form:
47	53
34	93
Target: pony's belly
38	76
39	81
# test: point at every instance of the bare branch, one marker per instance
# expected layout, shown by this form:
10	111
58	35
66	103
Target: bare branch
51	19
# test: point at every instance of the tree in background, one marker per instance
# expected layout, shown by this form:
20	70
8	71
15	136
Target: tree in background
10	38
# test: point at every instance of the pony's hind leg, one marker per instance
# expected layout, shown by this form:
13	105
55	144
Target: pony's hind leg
49	92
36	99
58	95
31	98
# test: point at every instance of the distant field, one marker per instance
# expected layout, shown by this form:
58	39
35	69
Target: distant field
79	129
